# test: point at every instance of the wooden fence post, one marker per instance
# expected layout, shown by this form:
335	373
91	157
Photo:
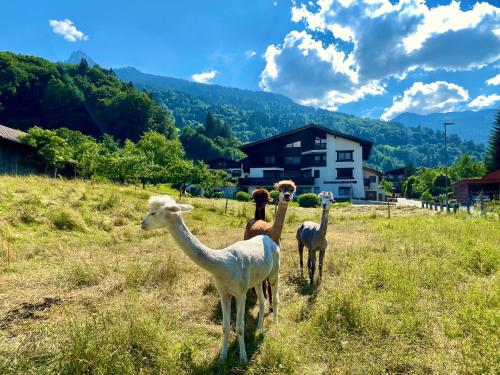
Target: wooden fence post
481	197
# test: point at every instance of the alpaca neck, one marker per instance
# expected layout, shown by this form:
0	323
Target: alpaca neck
200	254
324	221
260	213
279	221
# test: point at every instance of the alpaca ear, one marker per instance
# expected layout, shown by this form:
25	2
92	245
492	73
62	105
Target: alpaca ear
276	186
172	208
185	207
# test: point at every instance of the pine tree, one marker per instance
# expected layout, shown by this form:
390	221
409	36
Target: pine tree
493	154
210	125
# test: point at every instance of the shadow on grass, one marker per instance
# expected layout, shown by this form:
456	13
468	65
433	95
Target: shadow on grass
253	340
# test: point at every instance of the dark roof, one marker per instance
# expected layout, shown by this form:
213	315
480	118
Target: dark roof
367	145
11	134
397	171
373	170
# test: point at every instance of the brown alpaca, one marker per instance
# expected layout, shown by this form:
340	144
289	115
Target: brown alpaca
254	228
261	198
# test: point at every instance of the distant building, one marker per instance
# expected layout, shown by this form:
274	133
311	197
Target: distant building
315	158
396	176
233	168
372	178
16	157
469	189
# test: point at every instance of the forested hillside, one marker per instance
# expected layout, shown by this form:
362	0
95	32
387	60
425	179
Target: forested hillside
471	125
34	91
255	115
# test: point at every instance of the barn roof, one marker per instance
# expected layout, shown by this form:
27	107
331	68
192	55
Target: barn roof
11	134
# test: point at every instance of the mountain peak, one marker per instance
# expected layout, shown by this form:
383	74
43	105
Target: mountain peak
76	57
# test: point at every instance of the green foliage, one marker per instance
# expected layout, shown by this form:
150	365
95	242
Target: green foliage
493	155
466	167
387	186
275	195
186	172
308	200
212	141
242	196
89	99
54	150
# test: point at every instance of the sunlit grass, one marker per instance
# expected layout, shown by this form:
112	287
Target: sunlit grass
415	294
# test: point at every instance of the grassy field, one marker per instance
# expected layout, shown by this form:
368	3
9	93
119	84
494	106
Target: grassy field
84	291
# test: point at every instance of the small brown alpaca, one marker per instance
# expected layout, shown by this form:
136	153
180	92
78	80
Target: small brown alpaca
261	198
254	228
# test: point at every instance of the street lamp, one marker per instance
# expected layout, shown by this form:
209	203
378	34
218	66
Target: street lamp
446	162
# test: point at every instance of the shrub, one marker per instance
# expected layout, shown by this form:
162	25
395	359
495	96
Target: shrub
67	220
242	196
426	196
308	200
275	195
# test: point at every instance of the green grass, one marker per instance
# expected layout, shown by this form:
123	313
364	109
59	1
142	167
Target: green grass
84	291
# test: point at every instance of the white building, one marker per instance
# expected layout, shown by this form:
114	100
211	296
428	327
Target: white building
315	158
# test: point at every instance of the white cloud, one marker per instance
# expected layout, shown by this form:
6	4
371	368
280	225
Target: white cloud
379	40
275	3
421	98
494	81
249	54
484	101
204	77
67	29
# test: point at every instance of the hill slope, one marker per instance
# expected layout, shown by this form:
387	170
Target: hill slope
470	125
254	115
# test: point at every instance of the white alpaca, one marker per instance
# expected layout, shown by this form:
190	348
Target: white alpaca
237	268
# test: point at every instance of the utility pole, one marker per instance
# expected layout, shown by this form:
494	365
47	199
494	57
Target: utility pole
446	164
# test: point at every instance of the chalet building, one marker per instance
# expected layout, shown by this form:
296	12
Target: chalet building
396	176
469	189
14	154
372	179
233	168
315	158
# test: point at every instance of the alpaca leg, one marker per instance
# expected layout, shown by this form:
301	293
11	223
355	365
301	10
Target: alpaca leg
301	258
240	326
225	302
270	294
274	279
321	258
262	304
312	255
309	263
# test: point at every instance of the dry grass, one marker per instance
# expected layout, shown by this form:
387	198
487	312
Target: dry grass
84	290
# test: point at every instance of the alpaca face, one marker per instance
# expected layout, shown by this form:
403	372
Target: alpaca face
326	198
286	189
162	210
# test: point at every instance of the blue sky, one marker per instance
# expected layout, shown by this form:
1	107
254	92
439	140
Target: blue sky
373	58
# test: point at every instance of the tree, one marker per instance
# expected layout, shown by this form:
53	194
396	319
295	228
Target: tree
493	154
55	151
466	167
185	173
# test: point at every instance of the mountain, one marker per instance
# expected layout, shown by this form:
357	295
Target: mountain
34	91
76	56
474	126
254	115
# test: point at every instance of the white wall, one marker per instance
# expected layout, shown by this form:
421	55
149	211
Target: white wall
373	186
259	172
328	175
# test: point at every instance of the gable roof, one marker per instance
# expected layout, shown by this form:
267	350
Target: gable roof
366	145
11	134
377	172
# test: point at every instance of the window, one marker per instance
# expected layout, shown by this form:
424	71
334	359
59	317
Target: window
316	173
316	190
236	173
296	144
269	159
307	173
345	191
344	173
291	175
320	158
320	142
292	159
344	156
373	179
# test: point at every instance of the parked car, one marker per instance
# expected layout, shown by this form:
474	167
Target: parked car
477	198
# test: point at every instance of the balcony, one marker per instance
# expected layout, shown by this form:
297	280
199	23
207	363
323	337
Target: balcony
263	181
